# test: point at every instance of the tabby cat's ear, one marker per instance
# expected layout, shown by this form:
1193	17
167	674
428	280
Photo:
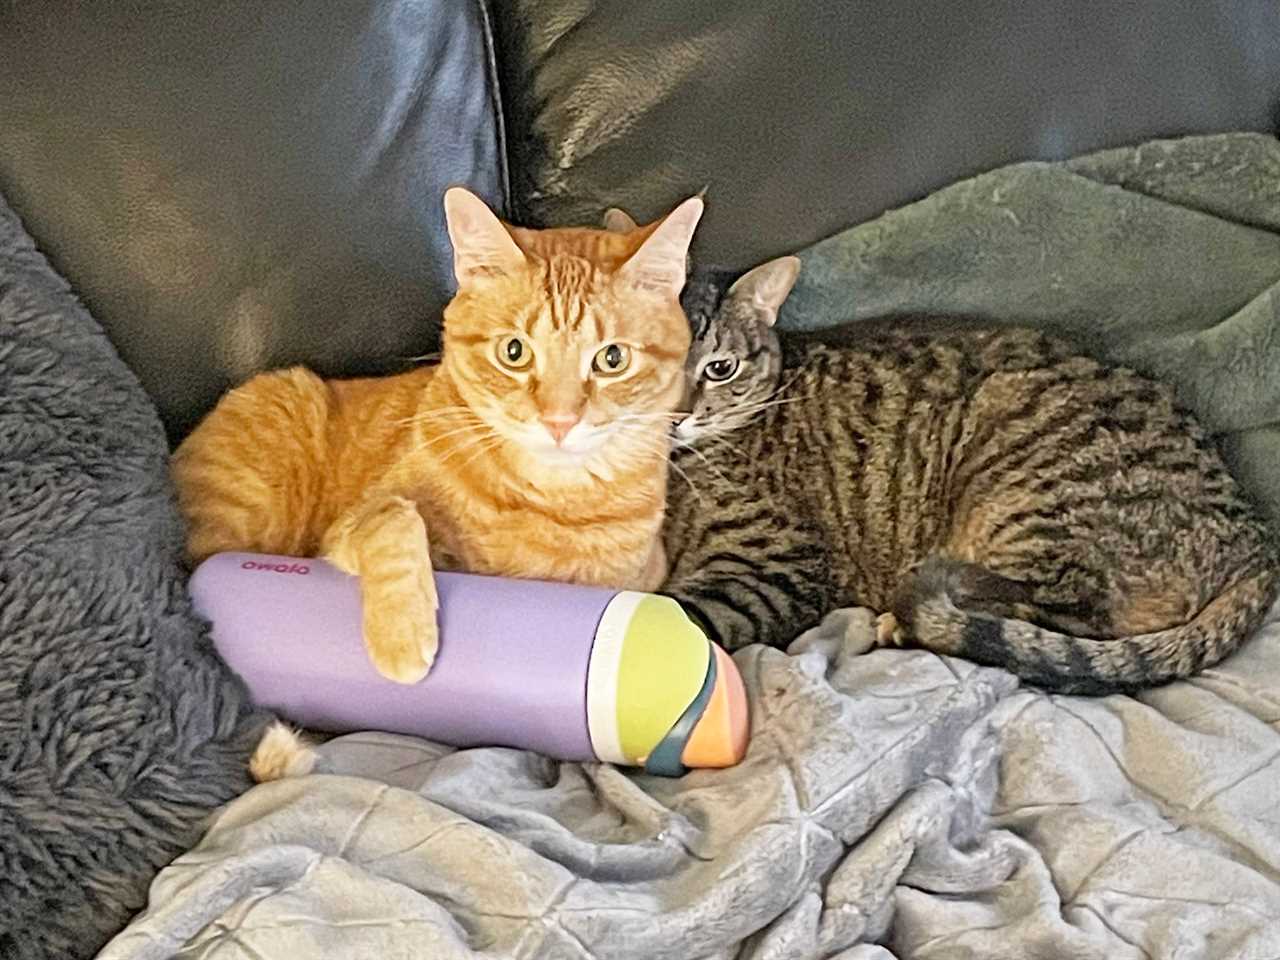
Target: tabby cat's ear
482	247
767	285
619	221
660	263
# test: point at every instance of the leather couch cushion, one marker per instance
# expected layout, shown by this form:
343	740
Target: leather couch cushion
239	185
808	116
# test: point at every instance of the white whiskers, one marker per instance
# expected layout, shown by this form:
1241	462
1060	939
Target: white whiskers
438	413
493	442
686	445
660	444
732	418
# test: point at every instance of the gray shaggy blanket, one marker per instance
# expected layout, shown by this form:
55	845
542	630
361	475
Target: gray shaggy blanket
119	730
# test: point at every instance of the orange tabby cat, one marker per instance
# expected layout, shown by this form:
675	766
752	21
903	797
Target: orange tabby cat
536	448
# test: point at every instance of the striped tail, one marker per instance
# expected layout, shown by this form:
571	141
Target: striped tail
933	612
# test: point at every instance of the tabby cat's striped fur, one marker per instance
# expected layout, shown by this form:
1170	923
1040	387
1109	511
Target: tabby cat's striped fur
1005	498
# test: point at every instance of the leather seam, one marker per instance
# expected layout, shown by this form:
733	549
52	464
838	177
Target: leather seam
495	103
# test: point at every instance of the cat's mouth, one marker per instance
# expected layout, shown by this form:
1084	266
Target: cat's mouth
687	429
696	428
581	444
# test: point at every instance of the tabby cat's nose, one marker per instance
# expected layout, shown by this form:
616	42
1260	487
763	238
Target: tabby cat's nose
559	424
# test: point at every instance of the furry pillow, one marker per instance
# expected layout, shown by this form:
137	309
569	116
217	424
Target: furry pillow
119	729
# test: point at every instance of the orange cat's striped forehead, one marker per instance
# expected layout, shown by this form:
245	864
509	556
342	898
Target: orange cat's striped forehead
564	287
605	248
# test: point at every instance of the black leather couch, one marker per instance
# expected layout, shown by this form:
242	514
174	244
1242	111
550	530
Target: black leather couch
241	184
238	185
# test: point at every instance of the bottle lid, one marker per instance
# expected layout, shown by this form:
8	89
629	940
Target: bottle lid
659	693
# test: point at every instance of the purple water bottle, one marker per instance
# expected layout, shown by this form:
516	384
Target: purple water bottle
579	673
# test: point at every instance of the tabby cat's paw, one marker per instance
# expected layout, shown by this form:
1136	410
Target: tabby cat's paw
848	631
888	633
403	644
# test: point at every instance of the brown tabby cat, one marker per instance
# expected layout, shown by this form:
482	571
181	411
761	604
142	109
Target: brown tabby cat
996	494
537	447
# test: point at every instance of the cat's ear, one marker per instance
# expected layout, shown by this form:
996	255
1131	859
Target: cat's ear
482	247
619	221
660	264
767	286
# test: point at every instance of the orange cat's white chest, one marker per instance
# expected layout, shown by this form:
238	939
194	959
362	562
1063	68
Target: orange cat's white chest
516	520
526	544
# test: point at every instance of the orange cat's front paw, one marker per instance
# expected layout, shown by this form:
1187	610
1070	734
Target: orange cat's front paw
384	542
402	642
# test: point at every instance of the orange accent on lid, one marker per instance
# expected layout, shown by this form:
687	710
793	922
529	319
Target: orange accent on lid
719	739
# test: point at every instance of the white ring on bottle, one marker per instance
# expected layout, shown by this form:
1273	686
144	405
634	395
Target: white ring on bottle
602	677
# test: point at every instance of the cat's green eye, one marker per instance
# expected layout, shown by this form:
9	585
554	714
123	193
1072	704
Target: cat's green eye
612	359
721	370
513	353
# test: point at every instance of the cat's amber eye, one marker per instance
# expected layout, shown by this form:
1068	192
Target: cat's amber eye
612	359
514	353
721	370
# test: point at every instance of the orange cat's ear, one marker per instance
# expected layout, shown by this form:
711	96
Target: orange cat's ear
482	247
767	285
619	221
659	265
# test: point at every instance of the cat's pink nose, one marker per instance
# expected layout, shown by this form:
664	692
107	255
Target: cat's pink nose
559	424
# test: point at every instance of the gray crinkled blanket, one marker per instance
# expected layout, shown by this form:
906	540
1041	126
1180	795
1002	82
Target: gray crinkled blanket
888	797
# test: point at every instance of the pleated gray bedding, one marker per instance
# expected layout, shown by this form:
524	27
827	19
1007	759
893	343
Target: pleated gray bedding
892	804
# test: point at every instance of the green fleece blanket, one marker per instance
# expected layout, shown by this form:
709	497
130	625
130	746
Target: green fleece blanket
1164	257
